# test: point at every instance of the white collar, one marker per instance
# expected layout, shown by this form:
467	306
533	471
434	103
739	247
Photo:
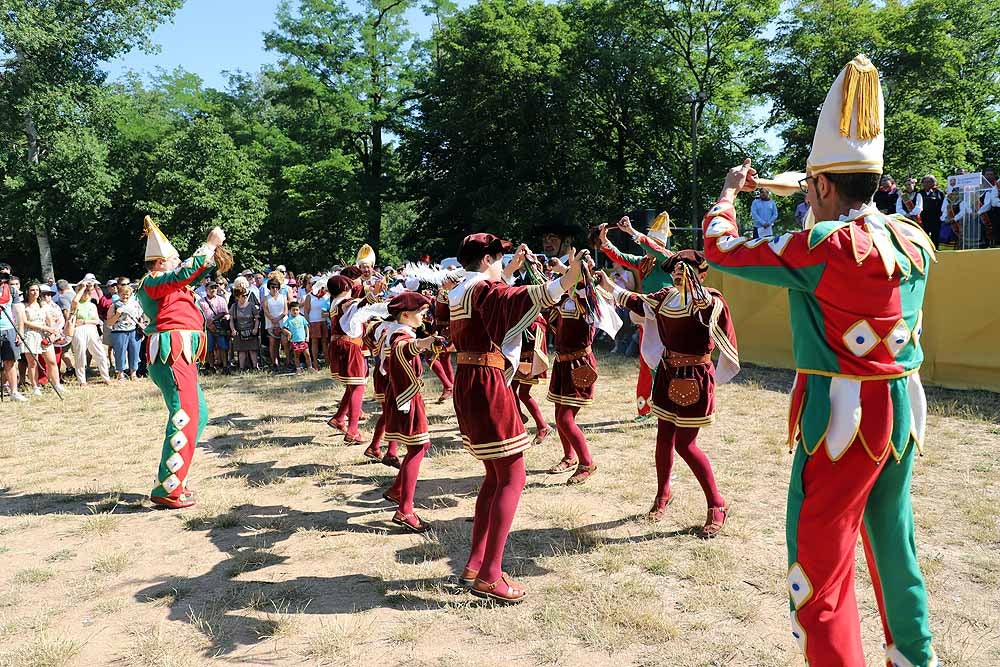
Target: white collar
858	212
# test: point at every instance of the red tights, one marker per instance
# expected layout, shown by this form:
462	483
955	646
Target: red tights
670	438
392	449
495	508
522	395
405	485
350	405
443	373
573	442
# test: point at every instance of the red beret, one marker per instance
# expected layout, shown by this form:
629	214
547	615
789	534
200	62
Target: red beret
338	285
407	301
351	272
474	246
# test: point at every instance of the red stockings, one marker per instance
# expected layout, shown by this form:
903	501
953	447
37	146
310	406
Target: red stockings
669	438
350	405
522	395
439	370
405	485
392	449
573	442
495	508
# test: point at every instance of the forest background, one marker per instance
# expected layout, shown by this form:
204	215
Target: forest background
509	115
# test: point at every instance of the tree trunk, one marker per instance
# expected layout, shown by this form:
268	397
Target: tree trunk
41	233
375	190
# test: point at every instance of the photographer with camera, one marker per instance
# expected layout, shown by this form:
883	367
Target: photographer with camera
216	312
11	331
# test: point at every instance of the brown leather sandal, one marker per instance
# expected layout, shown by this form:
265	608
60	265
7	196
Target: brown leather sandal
411	522
713	526
468	577
656	513
392	461
509	593
340	424
582	474
351	441
563	465
445	395
389	497
374	453
541	435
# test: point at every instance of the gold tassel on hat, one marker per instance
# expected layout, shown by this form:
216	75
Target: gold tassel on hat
861	88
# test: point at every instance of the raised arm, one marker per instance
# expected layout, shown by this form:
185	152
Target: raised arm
794	260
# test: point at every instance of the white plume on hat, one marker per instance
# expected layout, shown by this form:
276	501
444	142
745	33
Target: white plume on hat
850	135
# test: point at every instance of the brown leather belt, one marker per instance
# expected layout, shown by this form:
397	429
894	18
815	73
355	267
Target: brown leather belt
573	356
490	359
354	341
678	360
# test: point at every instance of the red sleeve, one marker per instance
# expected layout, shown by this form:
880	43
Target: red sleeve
636	302
507	310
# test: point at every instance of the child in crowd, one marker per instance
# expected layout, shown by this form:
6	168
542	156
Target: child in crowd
296	328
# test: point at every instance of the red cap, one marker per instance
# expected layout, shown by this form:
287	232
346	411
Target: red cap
407	301
474	246
338	285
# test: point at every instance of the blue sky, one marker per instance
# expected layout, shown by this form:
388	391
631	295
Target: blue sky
212	37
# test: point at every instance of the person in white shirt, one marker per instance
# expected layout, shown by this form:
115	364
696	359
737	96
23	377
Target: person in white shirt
989	212
910	202
764	212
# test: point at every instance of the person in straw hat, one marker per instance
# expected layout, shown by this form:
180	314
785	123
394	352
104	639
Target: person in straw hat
856	283
175	343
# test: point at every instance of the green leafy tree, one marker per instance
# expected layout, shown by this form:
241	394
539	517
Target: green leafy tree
51	54
359	67
937	61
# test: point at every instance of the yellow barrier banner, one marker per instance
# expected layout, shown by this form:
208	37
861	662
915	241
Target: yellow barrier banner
961	338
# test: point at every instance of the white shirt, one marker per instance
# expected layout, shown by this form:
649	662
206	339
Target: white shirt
918	206
961	212
990	200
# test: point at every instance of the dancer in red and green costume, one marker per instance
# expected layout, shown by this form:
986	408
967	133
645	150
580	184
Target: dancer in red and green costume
649	278
855	285
175	342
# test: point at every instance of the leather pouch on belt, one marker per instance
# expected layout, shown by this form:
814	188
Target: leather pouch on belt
684	391
583	376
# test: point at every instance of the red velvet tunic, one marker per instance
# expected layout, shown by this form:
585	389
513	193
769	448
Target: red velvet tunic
348	363
534	351
405	414
572	333
487	316
694	329
377	345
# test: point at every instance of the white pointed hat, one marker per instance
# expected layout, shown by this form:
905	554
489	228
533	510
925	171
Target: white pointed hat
366	255
158	246
659	230
850	132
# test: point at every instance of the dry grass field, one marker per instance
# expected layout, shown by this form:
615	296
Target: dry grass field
290	558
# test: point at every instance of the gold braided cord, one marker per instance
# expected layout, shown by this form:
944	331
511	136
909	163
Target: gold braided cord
861	87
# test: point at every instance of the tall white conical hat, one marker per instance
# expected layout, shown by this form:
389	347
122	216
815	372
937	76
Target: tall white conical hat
850	132
366	255
158	246
659	230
